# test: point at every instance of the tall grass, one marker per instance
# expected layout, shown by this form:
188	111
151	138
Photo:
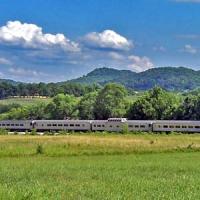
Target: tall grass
96	144
3	131
95	166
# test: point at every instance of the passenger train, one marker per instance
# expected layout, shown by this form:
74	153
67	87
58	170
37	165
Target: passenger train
111	125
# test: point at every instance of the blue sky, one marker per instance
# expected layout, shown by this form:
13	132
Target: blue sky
58	40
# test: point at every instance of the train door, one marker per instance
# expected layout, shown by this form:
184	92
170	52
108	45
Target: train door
33	125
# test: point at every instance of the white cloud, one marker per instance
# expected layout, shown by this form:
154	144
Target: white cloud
31	36
116	56
5	61
189	49
46	52
140	64
16	71
107	39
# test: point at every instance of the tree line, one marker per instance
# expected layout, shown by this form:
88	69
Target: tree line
111	101
43	89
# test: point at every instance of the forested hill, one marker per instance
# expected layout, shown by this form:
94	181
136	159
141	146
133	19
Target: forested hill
170	78
175	79
8	81
104	75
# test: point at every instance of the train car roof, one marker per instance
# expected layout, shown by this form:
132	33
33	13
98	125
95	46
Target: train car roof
15	120
176	121
143	121
61	120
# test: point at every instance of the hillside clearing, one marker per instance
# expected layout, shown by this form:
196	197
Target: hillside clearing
24	101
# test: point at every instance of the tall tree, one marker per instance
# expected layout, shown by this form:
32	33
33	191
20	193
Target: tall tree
155	104
63	106
189	109
86	106
110	102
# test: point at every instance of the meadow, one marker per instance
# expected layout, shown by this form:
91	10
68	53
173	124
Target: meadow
96	166
24	101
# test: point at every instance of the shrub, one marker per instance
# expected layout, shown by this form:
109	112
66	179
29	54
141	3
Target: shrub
33	132
125	129
3	132
39	149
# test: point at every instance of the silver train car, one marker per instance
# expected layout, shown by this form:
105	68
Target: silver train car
111	125
177	126
56	125
18	125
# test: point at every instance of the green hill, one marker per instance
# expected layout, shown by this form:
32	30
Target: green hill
8	81
170	78
103	75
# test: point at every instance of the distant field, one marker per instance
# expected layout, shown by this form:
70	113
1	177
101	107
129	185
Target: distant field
100	167
24	101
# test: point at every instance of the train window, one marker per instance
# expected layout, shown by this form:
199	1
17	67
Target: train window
71	125
171	126
190	127
184	126
78	125
65	124
159	126
16	124
94	125
110	126
21	124
149	125
178	127
60	125
142	126
103	126
0	124
7	124
48	124
117	126
136	126
12	124
83	125
54	124
130	126
165	126
98	125
197	126
3	124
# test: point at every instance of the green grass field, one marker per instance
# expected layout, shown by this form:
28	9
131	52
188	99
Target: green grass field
100	167
24	101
